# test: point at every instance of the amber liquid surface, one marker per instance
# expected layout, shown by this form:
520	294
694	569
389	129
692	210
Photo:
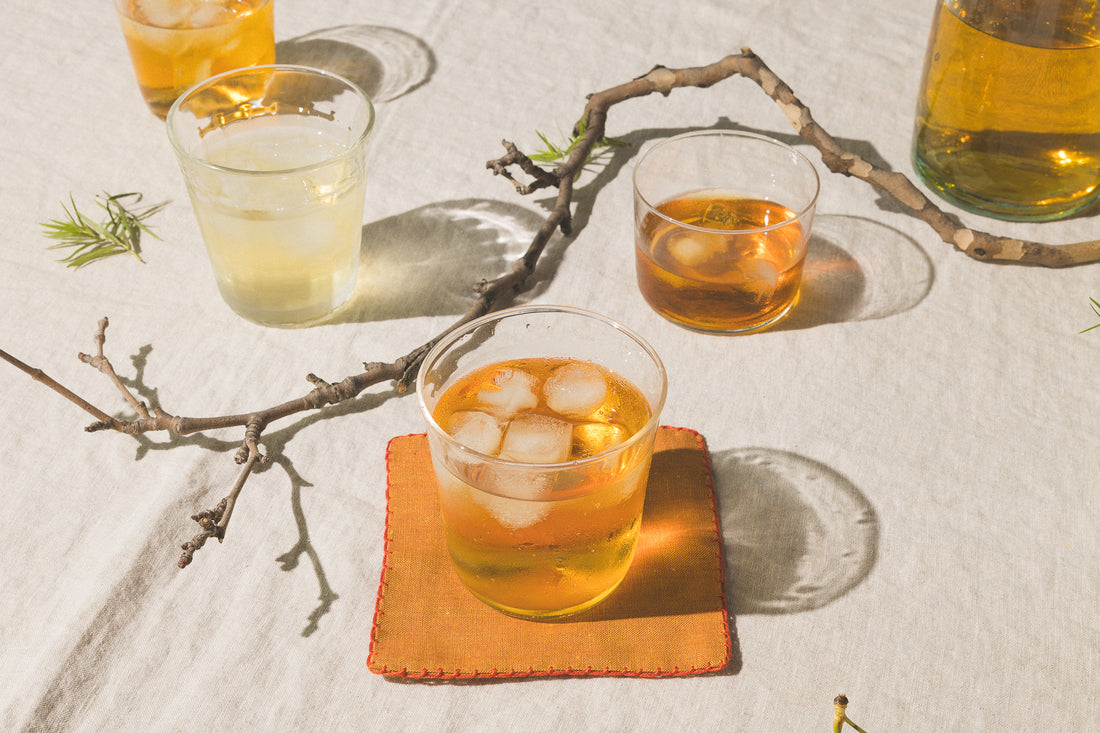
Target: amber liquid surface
711	275
1011	128
173	47
534	541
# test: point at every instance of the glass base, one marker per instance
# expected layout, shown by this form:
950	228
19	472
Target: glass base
996	209
544	615
718	331
302	316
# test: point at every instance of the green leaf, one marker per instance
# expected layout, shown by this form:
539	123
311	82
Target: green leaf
1096	310
556	154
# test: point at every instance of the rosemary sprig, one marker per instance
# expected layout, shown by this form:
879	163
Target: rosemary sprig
90	240
1096	310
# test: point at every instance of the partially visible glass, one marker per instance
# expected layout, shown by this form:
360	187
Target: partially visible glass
275	163
541	422
175	43
1008	114
721	224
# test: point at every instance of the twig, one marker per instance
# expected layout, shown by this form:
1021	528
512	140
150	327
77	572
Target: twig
840	715
589	133
40	376
214	521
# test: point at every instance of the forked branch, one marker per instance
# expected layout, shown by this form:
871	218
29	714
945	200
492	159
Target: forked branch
974	243
590	132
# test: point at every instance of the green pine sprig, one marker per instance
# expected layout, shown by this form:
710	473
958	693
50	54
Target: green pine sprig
90	240
554	153
1096	310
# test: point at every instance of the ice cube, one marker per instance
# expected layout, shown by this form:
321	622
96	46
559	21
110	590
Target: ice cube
692	249
318	237
761	278
593	438
575	390
516	392
165	13
511	513
207	13
477	430
451	487
534	438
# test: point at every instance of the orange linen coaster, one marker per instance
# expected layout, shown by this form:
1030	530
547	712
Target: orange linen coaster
668	616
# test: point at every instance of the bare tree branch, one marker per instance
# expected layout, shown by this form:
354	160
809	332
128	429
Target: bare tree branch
402	372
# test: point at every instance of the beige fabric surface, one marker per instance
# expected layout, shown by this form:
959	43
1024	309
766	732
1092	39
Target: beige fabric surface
907	468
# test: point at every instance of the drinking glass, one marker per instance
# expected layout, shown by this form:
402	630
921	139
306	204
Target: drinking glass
175	43
275	163
721	224
541	422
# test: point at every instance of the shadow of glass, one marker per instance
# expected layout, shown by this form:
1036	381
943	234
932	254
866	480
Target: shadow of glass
426	262
858	269
797	535
386	63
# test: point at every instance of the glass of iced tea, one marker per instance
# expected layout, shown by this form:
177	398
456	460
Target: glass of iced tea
721	224
176	43
275	163
541	421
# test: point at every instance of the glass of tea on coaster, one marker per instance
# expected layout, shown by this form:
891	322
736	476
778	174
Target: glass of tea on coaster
668	617
541	422
721	224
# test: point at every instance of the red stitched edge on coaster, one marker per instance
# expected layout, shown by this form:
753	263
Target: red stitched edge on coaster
377	618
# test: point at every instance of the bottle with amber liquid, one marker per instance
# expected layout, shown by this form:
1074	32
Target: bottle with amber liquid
1008	117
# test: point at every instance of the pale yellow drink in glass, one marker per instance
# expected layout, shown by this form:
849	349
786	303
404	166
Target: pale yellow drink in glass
275	163
282	258
175	43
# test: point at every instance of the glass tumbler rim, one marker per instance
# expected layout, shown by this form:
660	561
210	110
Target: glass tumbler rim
119	7
452	336
802	213
350	150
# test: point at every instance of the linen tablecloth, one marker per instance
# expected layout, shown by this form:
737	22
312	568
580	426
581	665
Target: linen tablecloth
907	467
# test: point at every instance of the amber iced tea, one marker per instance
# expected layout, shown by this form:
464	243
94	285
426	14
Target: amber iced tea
542	461
719	262
176	43
569	541
721	224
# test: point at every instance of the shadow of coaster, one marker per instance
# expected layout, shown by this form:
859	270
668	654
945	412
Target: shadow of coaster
797	534
667	618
